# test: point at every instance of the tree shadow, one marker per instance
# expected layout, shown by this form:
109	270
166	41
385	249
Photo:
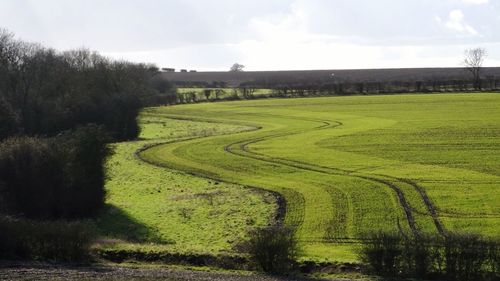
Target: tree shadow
114	223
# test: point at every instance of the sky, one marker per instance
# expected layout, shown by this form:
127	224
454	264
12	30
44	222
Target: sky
264	34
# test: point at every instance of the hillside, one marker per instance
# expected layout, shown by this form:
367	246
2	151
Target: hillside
341	75
419	164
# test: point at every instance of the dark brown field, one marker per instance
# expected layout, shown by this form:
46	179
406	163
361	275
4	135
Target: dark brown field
314	76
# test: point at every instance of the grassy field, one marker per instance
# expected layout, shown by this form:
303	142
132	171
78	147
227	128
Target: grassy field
156	209
344	165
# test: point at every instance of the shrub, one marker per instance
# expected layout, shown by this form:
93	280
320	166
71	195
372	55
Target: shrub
62	177
382	252
54	241
82	153
457	257
161	84
420	254
465	257
30	177
494	258
274	249
119	116
9	120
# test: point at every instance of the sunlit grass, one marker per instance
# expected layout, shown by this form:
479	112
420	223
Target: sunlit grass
340	162
156	209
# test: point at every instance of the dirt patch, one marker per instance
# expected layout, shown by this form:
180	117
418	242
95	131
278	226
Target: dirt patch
23	271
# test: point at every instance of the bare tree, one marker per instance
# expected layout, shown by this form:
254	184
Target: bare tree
247	91
207	93
236	67
473	61
218	93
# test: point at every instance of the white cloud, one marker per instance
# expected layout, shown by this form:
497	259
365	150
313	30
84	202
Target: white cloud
476	2
263	34
281	27
457	22
276	55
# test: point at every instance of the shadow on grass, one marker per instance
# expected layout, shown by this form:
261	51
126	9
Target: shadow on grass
114	223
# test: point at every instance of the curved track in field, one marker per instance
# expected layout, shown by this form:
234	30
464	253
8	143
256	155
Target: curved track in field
388	181
241	148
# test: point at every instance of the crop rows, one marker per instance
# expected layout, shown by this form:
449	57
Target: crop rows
335	192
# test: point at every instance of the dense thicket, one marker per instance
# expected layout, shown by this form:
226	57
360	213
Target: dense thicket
53	241
167	93
58	110
53	178
43	92
455	257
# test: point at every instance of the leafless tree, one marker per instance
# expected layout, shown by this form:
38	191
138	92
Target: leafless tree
236	67
219	93
247	91
207	93
473	61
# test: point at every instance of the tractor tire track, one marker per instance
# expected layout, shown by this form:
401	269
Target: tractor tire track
427	202
282	204
280	213
243	145
400	195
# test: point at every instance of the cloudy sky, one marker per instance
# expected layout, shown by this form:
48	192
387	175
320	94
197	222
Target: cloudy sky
264	34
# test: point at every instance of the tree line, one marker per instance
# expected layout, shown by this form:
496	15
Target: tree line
279	89
43	92
453	256
472	79
58	112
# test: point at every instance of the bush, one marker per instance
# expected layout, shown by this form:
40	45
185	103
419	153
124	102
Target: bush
9	121
62	177
420	255
54	241
82	153
382	253
456	257
466	257
274	249
30	177
161	84
119	116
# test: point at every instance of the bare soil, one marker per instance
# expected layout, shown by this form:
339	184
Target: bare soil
33	271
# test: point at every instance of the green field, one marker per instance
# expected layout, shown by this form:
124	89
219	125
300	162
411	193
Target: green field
344	165
156	209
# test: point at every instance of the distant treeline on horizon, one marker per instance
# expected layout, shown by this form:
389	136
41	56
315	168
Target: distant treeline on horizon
457	77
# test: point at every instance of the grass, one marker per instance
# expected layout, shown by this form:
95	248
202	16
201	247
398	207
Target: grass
156	209
348	165
344	165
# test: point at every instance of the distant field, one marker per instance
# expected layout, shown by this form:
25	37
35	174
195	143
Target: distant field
318	76
344	165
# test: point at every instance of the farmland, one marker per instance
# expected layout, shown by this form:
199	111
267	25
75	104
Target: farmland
345	166
321	76
154	209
